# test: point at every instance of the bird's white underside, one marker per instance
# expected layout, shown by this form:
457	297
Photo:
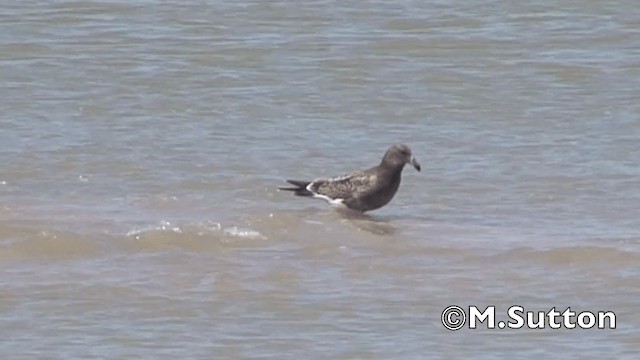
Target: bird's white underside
334	202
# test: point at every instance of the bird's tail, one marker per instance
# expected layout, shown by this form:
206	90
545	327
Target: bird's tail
300	189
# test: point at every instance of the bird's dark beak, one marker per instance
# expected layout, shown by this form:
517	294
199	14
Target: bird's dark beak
415	163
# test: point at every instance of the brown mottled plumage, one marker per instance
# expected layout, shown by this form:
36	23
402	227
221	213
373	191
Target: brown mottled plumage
361	190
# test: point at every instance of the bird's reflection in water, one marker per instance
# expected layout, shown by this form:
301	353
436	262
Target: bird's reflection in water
365	222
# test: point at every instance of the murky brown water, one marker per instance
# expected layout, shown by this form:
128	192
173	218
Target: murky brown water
142	143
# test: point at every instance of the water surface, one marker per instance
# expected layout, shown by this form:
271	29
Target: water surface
143	142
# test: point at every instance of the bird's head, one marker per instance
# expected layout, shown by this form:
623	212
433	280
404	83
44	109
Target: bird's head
398	156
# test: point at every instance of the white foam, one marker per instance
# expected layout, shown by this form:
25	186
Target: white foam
201	229
244	233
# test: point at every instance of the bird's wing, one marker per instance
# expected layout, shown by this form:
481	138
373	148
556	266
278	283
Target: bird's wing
349	186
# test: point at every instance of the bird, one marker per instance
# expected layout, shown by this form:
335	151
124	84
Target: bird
364	190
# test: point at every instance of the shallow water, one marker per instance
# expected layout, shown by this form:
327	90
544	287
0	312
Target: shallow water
142	145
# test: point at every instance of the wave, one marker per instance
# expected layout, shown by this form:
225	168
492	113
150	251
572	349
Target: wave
47	242
314	233
605	255
20	243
